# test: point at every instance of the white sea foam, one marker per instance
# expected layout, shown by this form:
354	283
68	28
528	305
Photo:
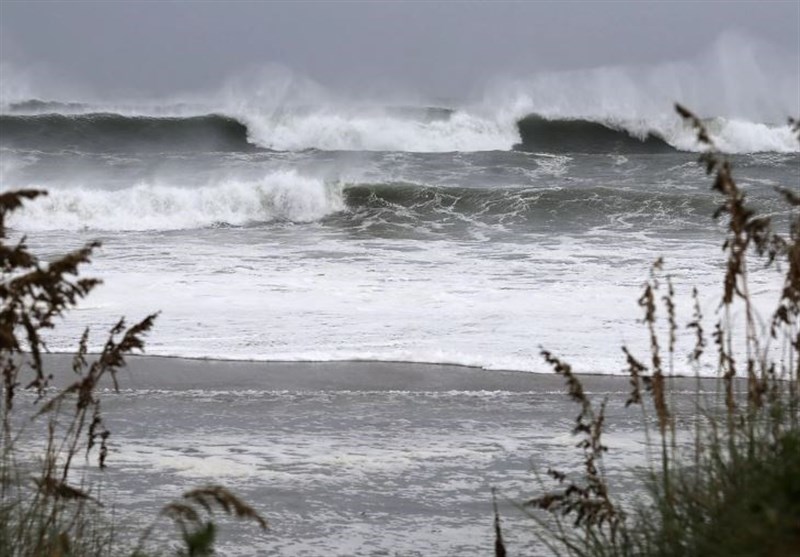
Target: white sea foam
737	136
279	195
332	130
336	129
746	86
11	163
733	136
314	297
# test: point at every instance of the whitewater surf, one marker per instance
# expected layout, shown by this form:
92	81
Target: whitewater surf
41	125
329	232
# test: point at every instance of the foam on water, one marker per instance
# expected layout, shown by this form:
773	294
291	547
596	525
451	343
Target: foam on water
475	258
279	195
310	297
331	128
335	130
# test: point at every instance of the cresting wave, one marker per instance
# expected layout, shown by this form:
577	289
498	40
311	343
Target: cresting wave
104	132
286	196
580	135
410	129
584	136
390	129
279	196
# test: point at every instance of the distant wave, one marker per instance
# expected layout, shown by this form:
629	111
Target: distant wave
582	136
409	129
104	132
38	106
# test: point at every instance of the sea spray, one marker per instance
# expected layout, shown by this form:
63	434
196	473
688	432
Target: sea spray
280	195
398	129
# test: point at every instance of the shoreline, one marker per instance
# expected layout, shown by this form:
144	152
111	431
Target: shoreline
181	374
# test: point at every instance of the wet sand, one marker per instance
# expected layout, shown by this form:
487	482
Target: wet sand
354	458
168	373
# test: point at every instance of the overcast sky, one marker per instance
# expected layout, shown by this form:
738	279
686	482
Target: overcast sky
435	48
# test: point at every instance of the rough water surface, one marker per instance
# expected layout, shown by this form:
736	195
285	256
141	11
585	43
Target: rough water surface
356	458
344	254
388	246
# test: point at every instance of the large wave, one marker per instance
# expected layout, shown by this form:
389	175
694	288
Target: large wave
278	196
580	135
103	132
391	129
584	136
325	128
744	86
287	196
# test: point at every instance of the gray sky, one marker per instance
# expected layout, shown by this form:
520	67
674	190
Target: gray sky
433	48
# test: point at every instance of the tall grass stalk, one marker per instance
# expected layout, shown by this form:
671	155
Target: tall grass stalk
48	506
735	489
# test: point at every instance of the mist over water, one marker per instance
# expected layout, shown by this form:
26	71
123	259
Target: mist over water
744	86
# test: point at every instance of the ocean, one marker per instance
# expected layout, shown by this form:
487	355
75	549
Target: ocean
401	233
353	254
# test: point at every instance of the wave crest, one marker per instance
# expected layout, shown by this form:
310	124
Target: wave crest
583	136
396	129
279	196
578	135
331	130
105	132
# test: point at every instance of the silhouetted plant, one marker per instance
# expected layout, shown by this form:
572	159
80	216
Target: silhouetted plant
737	489
43	512
191	515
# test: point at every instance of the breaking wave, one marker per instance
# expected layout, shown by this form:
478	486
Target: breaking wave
279	196
576	135
290	197
583	136
104	132
746	86
390	129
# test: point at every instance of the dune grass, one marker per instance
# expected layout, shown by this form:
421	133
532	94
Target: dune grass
47	505
733	489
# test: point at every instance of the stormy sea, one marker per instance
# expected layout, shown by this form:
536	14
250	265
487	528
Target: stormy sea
353	295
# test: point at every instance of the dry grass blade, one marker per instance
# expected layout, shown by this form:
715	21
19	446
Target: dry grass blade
217	495
33	299
53	518
574	386
181	513
587	503
697	324
499	544
735	490
79	360
636	369
702	133
51	487
11	201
